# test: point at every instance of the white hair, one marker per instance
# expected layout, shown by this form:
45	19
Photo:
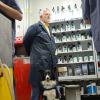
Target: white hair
41	11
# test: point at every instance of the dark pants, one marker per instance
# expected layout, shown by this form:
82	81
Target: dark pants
36	92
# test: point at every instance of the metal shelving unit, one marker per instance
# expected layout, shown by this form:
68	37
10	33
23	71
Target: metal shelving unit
77	59
70	19
82	51
74	41
62	32
75	63
81	36
78	78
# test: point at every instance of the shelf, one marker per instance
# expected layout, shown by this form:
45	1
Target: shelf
99	75
59	33
85	40
75	63
78	78
69	37
64	53
88	95
71	19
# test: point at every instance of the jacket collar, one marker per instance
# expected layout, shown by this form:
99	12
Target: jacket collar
43	27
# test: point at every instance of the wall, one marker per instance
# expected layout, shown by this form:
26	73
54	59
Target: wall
35	5
31	8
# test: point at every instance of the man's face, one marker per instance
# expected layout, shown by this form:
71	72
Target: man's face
46	16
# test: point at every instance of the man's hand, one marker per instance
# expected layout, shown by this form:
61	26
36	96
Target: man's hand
11	12
87	21
1	3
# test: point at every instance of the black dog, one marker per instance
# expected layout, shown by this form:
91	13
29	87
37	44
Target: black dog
49	86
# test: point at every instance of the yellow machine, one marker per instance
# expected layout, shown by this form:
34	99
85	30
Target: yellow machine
5	85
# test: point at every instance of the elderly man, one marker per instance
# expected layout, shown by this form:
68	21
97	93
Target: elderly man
91	15
40	45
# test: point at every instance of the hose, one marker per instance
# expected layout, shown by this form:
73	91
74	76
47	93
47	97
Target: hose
9	83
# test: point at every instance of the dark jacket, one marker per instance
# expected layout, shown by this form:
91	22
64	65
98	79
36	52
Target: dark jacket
41	48
91	11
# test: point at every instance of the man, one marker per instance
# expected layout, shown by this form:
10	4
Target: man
40	45
91	15
11	10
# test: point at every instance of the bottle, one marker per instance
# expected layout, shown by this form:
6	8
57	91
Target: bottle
58	28
91	58
69	38
74	48
89	35
86	59
82	88
91	69
65	59
82	25
59	60
64	48
53	29
89	45
62	28
67	26
94	89
72	26
80	59
70	48
75	59
78	70
91	87
56	53
64	39
55	38
83	36
78	36
60	49
70	59
84	69
73	36
79	47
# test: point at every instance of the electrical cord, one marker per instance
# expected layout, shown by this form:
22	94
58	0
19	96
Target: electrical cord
9	83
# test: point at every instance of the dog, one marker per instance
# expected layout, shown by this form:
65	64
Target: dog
49	86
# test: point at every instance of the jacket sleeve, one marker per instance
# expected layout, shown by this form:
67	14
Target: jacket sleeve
86	9
28	38
13	4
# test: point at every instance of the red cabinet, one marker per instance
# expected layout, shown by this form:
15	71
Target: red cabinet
21	71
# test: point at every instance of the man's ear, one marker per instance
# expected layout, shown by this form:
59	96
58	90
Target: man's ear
40	16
